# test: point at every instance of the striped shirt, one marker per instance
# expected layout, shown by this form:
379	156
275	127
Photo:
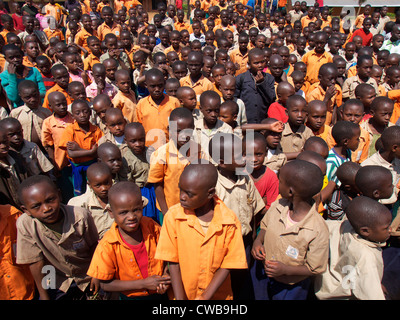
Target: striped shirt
333	162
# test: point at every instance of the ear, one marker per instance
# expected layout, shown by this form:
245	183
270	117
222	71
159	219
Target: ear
394	148
376	194
211	193
365	232
25	210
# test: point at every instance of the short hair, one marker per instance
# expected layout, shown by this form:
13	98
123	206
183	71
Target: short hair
231	105
293	100
98	168
356	102
32	181
58	67
390	137
153	73
362	88
6	122
362	58
123	187
347	171
209	94
180	113
27	84
11	47
325	68
369	178
107	147
255	52
315	141
381	101
344	130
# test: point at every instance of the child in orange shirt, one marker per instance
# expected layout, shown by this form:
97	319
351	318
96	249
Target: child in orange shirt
200	270
80	140
132	235
61	78
316	119
125	99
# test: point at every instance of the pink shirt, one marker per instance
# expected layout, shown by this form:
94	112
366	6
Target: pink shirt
91	90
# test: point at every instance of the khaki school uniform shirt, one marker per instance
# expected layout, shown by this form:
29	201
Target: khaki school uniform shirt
276	161
109	137
294	141
355	267
70	254
304	243
138	167
350	85
242	197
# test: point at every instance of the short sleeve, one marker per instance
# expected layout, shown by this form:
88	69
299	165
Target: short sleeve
67	136
157	168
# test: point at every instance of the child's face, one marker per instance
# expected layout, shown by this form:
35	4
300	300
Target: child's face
107	16
44	66
230	68
194	66
14	57
192	196
32	49
367	97
211	112
353	113
127	211
59	105
207	66
81	113
227	89
42	201
71	62
394	78
381	232
136	140
77	93
15	135
123	83
222	58
4	145
352	143
189	100
341	67
99	76
257	63
116	125
316	118
171	88
217	74
31	97
328	79
297	114
175	40
255	155
225	115
180	71
155	85
110	70
113	160
298	83
100	184
383	114
364	70
61	77
183	133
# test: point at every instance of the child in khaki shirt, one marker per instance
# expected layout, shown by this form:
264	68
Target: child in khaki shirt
302	249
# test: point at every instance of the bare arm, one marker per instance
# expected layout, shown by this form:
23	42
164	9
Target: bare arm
160	195
176	281
36	271
218	279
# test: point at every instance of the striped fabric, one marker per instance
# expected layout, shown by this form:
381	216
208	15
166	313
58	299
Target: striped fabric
333	162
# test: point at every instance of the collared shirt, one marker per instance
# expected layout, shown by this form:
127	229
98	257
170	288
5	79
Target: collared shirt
294	141
127	103
16	281
394	167
241	59
123	56
314	61
30	118
242	197
90	61
138	167
201	85
109	137
351	253
304	243
35	160
155	118
350	85
199	254
393	47
295	15
91	90
275	159
104	29
58	89
12	180
101	217
372	136
82	36
70	255
114	260
203	136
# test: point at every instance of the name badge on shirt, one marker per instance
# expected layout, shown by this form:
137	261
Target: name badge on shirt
292	252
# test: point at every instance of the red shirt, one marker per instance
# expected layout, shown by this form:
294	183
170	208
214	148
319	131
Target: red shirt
18	25
268	186
140	253
278	112
367	38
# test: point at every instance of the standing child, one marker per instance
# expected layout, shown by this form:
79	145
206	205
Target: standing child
116	123
366	94
227	87
80	140
316	119
346	135
187	98
101	104
95	52
95	200
358	242
43	63
277	110
131	241
303	251
100	85
45	221
110	154
125	99
192	221
61	78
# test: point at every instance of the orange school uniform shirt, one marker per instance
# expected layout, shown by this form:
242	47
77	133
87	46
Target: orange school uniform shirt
59	89
54	33
155	117
26	62
53	10
90	61
52	131
85	140
171	48
104	29
313	62
395	96
306	20
16	281
201	85
114	260
81	38
241	59
131	4
181	26
200	254
324	132
127	104
318	93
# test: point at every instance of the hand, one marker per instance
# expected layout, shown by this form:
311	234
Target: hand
72	145
101	86
153	282
94	285
330	92
277	126
199	298
274	268
11	68
259	77
162	288
258	251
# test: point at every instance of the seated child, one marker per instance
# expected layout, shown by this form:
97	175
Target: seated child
316	119
381	111
136	157
342	196
40	229
95	200
31	115
287	269
201	179
295	132
35	161
187	98
265	180
277	110
80	140
131	235
110	154
116	123
357	244
346	135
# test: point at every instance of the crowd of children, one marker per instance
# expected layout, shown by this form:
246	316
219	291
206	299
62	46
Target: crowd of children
246	153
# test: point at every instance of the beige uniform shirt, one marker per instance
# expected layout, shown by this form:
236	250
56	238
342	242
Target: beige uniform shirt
242	197
355	267
304	243
276	160
30	118
350	85
70	255
294	141
138	168
109	137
